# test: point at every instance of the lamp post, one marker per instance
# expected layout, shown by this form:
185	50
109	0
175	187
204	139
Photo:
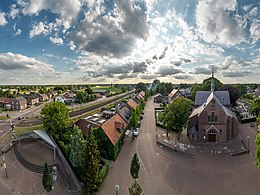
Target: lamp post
117	188
5	170
248	149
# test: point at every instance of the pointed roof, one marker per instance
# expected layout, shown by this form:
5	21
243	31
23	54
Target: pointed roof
193	130
174	92
111	128
211	96
142	93
132	103
202	96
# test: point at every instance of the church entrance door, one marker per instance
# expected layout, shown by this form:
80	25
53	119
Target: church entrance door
212	135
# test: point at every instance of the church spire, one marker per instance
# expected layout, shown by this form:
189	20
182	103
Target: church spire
212	79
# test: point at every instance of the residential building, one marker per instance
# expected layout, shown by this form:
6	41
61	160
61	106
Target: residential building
132	104
19	103
174	94
32	100
102	91
42	97
158	98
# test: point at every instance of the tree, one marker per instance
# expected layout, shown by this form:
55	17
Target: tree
164	88
141	87
135	166
233	93
91	179
89	90
55	118
133	119
47	179
142	104
255	107
207	84
80	96
257	142
176	115
78	149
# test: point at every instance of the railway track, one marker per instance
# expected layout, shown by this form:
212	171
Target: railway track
96	106
37	121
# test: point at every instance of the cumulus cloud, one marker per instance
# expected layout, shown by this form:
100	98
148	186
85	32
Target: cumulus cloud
2	19
148	76
67	10
233	62
14	11
236	73
11	61
38	29
202	70
255	30
56	40
18	32
168	70
112	34
215	22
72	45
182	76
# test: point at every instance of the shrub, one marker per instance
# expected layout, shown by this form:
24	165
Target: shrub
135	189
103	172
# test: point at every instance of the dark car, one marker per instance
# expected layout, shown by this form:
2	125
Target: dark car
21	117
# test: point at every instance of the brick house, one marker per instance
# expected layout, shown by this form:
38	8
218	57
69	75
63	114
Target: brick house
32	100
108	133
19	103
174	94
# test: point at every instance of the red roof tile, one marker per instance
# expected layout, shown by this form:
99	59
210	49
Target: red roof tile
114	127
132	103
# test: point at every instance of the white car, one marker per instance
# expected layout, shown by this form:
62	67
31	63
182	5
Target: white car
136	132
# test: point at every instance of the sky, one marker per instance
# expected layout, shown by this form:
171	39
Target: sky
129	41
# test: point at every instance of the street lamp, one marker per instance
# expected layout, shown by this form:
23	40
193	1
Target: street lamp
5	170
117	188
248	144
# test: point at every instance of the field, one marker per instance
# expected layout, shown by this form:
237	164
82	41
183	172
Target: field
109	88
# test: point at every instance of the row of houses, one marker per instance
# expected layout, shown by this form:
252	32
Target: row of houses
111	125
175	93
23	101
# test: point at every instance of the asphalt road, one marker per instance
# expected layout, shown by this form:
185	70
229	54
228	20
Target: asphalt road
164	172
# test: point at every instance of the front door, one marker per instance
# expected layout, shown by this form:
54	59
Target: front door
212	137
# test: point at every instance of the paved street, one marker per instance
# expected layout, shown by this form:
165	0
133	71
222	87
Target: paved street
164	172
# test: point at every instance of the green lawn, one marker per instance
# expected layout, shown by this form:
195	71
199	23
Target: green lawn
4	117
109	88
20	130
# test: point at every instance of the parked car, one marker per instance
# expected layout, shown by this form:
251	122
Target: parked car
141	117
136	132
21	117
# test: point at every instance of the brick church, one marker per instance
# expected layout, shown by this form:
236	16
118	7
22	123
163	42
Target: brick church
212	120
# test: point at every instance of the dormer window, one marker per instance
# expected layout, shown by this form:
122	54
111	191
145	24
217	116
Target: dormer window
119	126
